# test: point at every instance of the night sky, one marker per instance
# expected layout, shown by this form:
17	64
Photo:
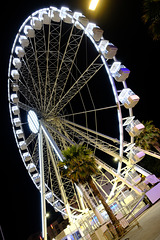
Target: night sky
122	25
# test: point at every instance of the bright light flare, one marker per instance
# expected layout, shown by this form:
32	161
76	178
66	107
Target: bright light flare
93	4
33	121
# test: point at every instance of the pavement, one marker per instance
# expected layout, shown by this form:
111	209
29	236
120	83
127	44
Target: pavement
149	228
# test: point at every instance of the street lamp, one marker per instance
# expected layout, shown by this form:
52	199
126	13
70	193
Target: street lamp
93	4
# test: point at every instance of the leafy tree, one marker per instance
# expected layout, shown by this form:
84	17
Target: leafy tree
79	165
149	137
151	17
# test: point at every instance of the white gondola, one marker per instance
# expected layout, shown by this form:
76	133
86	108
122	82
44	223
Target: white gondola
36	23
57	205
83	20
89	28
76	16
15	87
135	155
29	31
133	177
128	98
17	122
22	145
19	133
14	98
122	74
107	49
55	15
119	72
15	74
49	197
17	63
97	33
15	110
44	17
135	128
31	167
23	40
64	15
19	51
36	177
26	156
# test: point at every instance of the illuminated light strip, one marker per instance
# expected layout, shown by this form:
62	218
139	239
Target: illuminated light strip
93	4
52	142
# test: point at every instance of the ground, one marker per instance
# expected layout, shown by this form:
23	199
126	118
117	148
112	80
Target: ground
149	225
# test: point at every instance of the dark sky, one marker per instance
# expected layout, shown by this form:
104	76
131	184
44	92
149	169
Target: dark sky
122	25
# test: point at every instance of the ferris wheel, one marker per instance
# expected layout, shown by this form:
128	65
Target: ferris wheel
65	86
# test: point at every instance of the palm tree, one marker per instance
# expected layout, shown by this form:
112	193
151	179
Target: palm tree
151	17
149	137
79	164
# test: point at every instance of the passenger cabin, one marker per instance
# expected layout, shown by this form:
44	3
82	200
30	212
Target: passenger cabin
19	133
15	87
31	167
17	63
66	14
17	122
36	178
44	17
97	33
107	49
128	98
81	19
134	128
26	156
49	197
119	72
55	15
14	98
122	74
15	74
19	51
135	155
15	110
29	31
22	145
23	40
36	23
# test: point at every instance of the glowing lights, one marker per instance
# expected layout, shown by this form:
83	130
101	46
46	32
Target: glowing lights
51	226
93	4
33	121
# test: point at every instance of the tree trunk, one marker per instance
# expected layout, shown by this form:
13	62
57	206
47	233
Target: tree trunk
91	204
114	220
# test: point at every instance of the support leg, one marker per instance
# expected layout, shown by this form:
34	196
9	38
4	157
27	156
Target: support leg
42	185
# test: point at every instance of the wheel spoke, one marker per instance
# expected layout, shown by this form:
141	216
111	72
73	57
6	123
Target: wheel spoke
88	111
94	141
66	65
77	86
52	59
